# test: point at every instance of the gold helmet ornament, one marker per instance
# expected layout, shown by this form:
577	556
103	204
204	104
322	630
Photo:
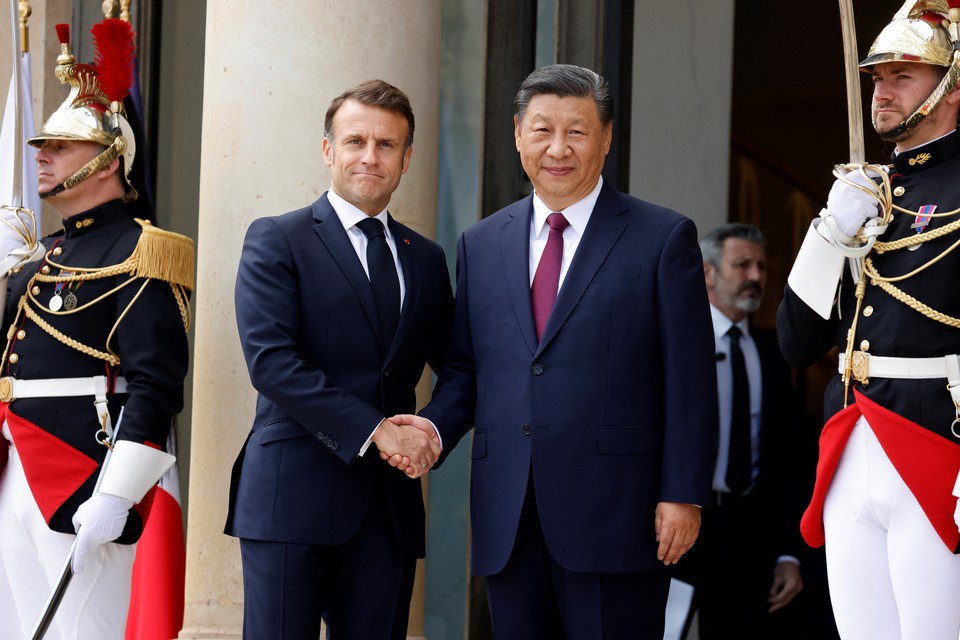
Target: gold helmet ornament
93	111
924	31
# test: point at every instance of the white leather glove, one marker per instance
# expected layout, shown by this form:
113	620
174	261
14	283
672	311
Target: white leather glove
98	521
851	207
18	244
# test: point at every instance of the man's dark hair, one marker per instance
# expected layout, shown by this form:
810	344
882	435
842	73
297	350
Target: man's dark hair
711	246
566	81
373	93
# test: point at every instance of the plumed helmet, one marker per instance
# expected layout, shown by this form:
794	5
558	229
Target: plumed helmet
93	111
923	31
918	33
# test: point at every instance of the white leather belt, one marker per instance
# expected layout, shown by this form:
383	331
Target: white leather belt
96	386
866	366
13	388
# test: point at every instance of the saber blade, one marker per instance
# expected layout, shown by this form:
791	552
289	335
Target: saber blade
852	67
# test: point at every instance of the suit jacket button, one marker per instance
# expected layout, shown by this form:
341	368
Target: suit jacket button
335	445
537	369
320	436
526	429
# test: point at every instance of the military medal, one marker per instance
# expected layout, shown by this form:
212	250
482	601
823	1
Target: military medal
70	301
921	220
56	302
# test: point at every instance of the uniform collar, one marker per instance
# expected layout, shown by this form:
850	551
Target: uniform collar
927	155
96	218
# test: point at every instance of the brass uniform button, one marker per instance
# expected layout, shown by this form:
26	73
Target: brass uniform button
865	345
45	270
21	334
14	358
57	251
868	312
899	191
35	290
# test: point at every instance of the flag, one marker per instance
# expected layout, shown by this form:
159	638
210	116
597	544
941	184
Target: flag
156	594
141	173
8	145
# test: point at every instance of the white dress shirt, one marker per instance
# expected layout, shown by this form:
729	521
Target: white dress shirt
722	324
577	214
349	217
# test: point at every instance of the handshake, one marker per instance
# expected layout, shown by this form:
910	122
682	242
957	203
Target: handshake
409	443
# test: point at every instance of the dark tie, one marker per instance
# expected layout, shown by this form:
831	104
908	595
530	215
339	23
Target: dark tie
383	278
546	280
740	460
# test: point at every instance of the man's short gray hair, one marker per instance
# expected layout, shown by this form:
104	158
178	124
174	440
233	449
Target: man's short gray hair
711	246
566	81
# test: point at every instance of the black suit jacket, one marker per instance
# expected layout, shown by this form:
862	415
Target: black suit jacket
787	451
308	327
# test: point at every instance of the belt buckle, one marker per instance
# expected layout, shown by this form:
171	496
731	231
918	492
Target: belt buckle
860	367
6	389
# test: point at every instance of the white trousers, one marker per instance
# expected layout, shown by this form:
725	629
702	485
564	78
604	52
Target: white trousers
31	557
891	577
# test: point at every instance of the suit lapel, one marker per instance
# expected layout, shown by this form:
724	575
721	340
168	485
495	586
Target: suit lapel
515	253
606	224
331	232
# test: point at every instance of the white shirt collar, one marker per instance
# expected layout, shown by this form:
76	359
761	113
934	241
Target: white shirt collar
722	324
350	215
577	214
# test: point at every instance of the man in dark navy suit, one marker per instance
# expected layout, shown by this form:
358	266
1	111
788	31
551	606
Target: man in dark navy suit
339	307
583	353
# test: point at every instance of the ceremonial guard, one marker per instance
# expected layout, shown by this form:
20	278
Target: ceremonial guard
97	325
890	451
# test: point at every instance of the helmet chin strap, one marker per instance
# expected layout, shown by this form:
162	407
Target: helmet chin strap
101	160
946	84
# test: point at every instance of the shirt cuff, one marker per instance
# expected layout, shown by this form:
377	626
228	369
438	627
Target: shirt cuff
366	445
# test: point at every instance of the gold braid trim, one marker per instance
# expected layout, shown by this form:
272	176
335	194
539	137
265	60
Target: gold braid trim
77	274
163	255
159	254
918	238
886	282
70	342
181	299
916	305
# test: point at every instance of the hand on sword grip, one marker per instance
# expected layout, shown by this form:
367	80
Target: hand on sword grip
850	206
97	521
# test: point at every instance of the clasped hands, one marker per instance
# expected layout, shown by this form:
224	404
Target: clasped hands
409	443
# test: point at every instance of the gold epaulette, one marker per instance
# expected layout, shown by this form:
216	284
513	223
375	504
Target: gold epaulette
163	255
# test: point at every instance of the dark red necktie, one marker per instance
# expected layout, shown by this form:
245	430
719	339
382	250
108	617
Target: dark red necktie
546	281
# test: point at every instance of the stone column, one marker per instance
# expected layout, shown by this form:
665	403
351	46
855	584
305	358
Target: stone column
270	71
682	87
